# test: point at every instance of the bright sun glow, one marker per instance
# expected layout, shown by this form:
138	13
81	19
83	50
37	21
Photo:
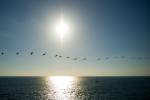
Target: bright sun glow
62	28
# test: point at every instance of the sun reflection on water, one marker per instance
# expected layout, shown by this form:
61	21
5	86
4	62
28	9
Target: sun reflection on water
62	87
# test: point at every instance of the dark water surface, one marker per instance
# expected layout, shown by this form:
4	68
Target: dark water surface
74	88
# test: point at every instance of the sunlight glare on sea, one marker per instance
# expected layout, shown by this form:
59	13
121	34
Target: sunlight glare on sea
62	87
74	88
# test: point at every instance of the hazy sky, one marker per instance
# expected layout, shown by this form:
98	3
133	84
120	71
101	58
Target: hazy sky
98	28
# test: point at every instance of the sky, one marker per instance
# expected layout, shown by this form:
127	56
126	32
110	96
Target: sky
115	29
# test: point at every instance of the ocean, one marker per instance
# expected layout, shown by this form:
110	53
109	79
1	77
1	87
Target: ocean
74	88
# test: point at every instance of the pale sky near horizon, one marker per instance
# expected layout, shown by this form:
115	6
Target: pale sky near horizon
97	28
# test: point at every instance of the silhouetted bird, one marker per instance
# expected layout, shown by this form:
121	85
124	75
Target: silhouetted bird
56	55
140	58
84	59
133	57
17	53
2	53
122	57
44	54
106	58
98	59
115	57
31	53
67	57
75	59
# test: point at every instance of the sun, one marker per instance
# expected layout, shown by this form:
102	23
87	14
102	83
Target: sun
62	28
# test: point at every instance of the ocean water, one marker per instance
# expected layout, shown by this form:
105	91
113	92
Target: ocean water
74	88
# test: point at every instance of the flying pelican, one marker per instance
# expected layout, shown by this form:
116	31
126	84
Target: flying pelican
122	57
2	53
56	55
107	58
17	53
133	57
60	56
32	53
115	57
44	54
140	58
98	59
68	57
75	58
84	59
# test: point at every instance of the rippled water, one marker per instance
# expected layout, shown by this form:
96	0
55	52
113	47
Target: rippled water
74	88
